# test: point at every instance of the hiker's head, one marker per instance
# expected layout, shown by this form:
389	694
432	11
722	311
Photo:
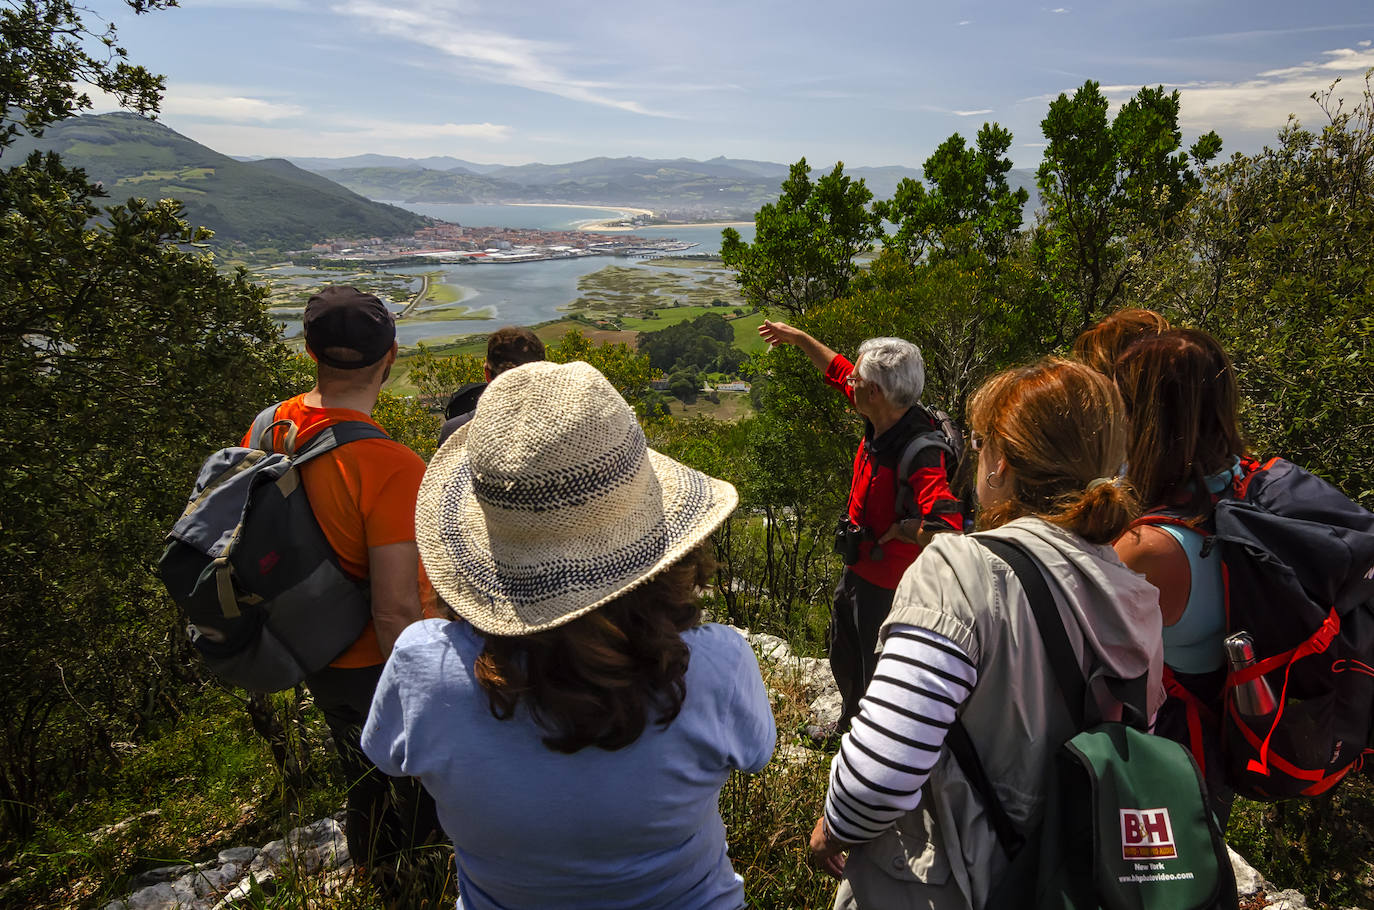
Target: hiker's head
510	347
351	335
548	507
1051	438
600	679
895	367
1102	345
1180	393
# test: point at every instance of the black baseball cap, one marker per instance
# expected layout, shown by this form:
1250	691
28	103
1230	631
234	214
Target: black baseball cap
344	317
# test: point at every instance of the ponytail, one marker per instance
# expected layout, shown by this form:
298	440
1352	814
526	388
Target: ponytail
1100	513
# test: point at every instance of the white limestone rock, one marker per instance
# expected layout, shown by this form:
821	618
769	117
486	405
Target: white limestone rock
239	855
177	895
1248	881
162	874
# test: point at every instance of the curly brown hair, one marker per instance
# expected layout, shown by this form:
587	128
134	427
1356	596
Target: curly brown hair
595	680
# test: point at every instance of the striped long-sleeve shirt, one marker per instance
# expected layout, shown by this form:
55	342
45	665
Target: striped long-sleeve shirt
920	681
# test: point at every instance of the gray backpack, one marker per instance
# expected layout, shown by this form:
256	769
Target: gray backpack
266	601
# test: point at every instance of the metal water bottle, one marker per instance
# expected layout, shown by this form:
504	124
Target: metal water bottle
1253	698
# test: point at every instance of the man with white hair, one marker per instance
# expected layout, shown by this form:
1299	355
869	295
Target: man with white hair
884	384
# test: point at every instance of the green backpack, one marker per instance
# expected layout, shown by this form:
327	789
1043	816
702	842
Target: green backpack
1126	823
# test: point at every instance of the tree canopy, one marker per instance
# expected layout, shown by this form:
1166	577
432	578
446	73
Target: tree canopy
127	358
805	243
1111	190
968	189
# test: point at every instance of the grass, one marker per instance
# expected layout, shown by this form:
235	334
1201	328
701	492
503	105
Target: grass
188	173
204	782
768	816
732	406
207	782
1322	847
288	293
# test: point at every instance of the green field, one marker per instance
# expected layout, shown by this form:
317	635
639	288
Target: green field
189	173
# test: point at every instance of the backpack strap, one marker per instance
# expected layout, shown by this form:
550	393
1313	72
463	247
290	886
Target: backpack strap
966	754
1063	661
1065	667
265	420
906	496
335	435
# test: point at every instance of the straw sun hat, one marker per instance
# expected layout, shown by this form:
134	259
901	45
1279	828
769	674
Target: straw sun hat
548	503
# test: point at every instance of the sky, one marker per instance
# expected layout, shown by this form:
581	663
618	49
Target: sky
867	83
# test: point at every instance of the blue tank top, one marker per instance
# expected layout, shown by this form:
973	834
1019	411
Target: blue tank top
1194	643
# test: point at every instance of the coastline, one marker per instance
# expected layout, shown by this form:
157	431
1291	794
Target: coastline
611	227
720	224
570	205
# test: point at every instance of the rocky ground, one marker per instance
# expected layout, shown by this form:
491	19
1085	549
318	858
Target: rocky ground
319	850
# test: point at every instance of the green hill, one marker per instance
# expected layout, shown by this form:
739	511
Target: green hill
716	187
258	203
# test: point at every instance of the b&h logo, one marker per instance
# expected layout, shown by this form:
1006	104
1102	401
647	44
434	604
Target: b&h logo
1147	834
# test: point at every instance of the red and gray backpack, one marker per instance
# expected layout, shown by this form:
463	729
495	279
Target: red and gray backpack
1298	569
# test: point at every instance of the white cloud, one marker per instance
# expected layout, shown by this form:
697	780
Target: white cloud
985	110
336	139
1264	101
487	55
214	102
1366	43
962	22
247	4
1060	10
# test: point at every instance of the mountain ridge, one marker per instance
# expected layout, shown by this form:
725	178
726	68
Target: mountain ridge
717	186
267	202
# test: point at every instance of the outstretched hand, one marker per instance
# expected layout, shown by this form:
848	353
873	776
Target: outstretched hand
776	333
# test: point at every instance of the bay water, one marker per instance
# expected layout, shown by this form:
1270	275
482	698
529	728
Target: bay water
527	293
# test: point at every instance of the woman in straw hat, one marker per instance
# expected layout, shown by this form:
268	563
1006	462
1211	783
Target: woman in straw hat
577	725
961	641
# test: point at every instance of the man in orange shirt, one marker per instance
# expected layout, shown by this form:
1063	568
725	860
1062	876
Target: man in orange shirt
363	495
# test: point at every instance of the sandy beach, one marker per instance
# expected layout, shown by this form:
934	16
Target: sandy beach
600	225
568	205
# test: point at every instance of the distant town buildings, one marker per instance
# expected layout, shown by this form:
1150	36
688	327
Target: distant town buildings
448	242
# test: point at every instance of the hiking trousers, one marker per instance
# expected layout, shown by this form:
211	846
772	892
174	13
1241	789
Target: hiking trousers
856	615
386	818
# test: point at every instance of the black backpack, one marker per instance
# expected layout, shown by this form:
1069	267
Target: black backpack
1126	824
265	599
1298	562
947	438
464	399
